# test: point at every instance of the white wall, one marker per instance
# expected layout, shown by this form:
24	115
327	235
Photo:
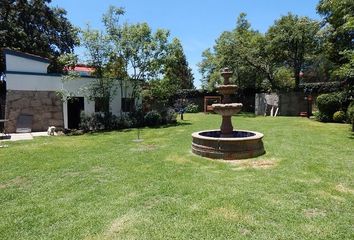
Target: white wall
26	82
20	64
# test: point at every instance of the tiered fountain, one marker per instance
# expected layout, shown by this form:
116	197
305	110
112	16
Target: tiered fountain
226	143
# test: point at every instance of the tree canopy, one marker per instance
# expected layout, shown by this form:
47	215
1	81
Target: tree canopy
34	27
292	40
339	22
267	61
132	55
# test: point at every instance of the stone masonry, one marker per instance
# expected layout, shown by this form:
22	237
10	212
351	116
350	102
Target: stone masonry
45	107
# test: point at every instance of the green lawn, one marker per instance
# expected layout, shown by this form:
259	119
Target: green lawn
105	186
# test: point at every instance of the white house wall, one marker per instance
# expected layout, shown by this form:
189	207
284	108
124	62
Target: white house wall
26	82
20	64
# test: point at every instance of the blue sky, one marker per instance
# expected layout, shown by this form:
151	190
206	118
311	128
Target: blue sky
197	23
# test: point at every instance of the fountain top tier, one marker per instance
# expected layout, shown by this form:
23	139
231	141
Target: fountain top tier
226	73
226	89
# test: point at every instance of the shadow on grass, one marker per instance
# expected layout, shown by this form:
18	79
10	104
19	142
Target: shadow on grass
351	136
246	115
177	124
104	132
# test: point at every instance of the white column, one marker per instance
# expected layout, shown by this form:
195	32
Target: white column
65	112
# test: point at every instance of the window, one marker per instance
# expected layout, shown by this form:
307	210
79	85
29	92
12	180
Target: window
128	104
101	104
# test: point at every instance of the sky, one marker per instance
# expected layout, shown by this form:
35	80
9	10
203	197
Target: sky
197	23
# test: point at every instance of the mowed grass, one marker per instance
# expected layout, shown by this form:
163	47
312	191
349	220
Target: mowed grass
105	186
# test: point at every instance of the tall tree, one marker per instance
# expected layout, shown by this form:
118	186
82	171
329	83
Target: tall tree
230	50
34	27
208	68
99	53
252	48
339	21
141	50
292	40
176	69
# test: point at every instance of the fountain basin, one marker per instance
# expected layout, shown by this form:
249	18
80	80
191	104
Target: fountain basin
242	144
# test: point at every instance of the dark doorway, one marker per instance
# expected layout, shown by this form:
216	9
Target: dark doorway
75	106
2	95
2	99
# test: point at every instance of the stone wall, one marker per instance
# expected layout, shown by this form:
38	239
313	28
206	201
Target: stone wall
290	104
45	107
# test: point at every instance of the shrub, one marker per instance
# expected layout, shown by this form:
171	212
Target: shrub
125	122
98	121
169	116
350	114
152	118
328	104
339	117
322	117
90	122
137	117
192	108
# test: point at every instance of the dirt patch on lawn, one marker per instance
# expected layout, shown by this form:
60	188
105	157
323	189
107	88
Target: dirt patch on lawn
98	169
331	196
226	213
245	231
314	212
119	226
144	148
343	189
15	182
178	159
122	223
256	164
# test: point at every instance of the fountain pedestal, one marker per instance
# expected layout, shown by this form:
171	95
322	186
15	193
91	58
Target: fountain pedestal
226	143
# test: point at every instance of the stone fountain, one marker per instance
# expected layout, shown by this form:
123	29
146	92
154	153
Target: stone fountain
225	143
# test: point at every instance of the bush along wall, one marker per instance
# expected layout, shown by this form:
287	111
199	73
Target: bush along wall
332	107
102	122
350	114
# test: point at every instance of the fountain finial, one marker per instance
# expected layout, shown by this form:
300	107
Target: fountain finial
226	73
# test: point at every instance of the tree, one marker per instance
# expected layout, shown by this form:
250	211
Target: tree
34	27
253	49
176	75
339	21
292	39
141	51
176	69
237	50
208	68
99	52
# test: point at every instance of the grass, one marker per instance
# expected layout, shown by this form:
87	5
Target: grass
105	186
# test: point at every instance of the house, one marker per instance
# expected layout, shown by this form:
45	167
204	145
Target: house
32	97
